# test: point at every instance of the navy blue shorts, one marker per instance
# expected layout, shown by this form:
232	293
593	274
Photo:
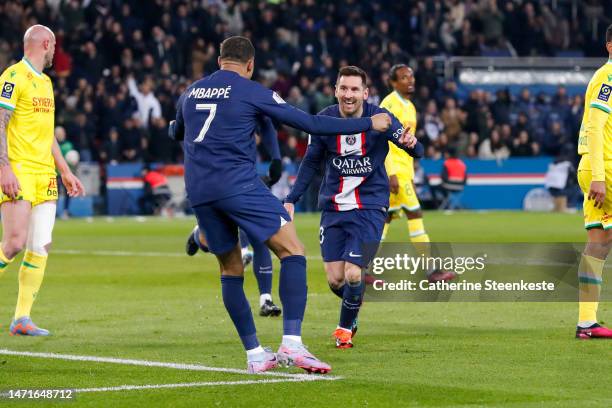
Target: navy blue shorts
257	212
351	236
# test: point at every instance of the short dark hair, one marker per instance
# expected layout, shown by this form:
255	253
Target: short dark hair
609	33
394	69
238	49
351	70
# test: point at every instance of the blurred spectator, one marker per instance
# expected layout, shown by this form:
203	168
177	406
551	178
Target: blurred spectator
157	193
523	147
452	118
454	177
131	140
111	149
148	105
432	124
82	133
493	148
555	139
103	45
559	180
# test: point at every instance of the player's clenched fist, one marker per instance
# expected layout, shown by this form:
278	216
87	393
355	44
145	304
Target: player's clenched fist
381	122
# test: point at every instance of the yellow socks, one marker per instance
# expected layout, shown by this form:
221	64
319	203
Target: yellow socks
31	275
385	230
416	229
4	262
590	271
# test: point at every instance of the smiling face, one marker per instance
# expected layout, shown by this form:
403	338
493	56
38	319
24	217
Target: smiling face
351	92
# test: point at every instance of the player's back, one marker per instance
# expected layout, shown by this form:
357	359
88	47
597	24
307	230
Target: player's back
219	144
597	96
398	161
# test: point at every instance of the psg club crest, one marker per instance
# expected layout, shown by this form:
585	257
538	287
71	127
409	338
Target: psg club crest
350	140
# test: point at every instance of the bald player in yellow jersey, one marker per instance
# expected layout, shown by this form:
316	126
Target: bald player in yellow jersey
29	156
400	166
595	179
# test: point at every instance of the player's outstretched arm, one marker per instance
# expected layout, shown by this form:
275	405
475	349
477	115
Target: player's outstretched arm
404	138
71	182
272	105
8	180
308	168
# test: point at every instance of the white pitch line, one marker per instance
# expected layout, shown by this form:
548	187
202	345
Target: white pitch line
187	385
176	366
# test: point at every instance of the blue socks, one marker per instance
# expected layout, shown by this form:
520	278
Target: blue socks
351	303
239	310
293	292
244	239
337	291
262	262
262	266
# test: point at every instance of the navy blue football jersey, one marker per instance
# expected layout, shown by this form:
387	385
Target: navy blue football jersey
355	175
218	115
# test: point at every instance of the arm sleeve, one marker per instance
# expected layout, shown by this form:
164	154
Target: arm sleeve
308	168
133	88
11	88
394	133
156	109
594	130
269	137
600	108
271	104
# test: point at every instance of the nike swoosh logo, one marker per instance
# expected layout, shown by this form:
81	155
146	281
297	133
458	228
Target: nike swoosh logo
354	255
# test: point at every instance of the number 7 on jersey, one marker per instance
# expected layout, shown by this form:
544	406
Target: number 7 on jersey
212	108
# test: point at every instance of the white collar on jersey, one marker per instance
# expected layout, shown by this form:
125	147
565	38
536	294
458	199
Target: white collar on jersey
29	64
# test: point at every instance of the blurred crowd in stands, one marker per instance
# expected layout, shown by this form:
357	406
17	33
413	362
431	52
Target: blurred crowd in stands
120	65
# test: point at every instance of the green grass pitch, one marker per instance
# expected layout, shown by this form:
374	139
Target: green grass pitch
100	299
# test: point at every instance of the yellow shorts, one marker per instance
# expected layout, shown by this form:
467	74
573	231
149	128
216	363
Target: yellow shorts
405	198
35	188
596	217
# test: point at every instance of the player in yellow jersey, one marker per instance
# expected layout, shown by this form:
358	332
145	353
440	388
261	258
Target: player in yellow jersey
595	179
400	166
29	155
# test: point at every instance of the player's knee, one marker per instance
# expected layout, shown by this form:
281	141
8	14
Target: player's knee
15	243
353	275
598	249
334	282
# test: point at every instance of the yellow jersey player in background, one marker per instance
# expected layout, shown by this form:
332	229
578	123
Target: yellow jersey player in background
29	154
595	179
400	166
